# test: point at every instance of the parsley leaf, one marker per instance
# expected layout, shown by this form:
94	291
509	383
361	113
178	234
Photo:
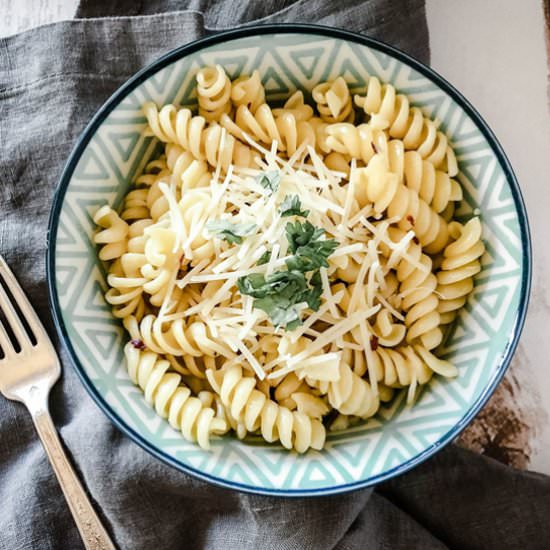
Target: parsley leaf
299	234
312	297
269	180
310	253
264	258
231	232
277	295
284	284
311	256
281	314
292	206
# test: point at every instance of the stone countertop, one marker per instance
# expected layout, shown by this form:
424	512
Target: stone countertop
495	53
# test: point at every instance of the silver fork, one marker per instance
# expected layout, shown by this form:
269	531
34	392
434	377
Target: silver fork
27	376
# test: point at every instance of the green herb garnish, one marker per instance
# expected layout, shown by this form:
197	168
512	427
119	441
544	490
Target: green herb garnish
300	234
231	232
276	295
280	293
292	206
269	180
309	252
264	258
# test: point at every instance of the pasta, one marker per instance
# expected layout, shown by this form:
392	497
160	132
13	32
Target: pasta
179	126
286	128
333	101
172	399
114	235
380	187
214	92
281	270
255	411
389	110
248	91
460	264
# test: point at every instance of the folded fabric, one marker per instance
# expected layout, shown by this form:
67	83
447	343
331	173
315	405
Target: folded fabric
52	80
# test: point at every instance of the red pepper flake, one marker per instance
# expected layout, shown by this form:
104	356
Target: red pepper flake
415	240
410	219
374	147
182	257
138	344
374	342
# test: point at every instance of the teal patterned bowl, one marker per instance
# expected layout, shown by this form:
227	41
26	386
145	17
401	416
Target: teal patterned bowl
112	150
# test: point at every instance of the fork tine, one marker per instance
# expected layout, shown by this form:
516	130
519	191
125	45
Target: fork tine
13	319
5	342
24	305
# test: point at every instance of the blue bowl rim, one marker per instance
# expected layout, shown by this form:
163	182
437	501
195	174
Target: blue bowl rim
293	28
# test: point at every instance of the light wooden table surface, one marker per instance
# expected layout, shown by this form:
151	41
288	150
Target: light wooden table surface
493	51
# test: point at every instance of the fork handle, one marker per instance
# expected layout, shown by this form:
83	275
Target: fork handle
93	533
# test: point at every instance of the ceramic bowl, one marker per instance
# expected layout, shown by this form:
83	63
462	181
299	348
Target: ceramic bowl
112	150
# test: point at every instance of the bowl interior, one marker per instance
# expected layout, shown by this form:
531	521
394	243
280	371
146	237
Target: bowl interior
113	151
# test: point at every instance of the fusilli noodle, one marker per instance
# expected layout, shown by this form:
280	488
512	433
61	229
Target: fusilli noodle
334	101
389	110
460	264
214	92
295	430
171	399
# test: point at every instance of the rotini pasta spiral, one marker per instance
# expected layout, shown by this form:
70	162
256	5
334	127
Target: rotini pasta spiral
137	237
187	172
320	129
214	92
156	201
334	101
359	142
389	110
156	169
248	91
171	399
388	332
347	268
295	394
294	133
256	412
350	394
295	106
433	186
113	237
210	143
286	387
147	200
460	264
160	265
259	125
338	163
418	294
126	286
135	205
263	126
194	207
375	184
176	338
408	366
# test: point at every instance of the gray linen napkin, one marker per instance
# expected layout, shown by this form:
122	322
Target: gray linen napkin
52	79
